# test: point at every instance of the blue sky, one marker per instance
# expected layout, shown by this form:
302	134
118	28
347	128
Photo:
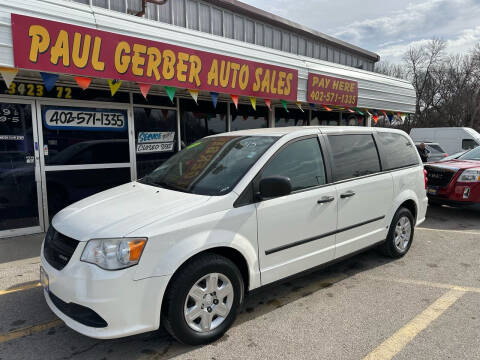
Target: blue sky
386	27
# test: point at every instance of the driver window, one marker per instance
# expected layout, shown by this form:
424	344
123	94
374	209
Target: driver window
300	161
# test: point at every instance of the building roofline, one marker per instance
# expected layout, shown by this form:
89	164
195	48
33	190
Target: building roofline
262	15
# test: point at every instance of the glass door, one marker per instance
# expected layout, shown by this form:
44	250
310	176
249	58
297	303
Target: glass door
84	148
20	186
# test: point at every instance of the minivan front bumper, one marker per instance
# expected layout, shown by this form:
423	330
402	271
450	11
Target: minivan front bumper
103	304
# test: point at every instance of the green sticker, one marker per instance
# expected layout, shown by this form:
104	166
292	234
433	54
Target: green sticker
193	145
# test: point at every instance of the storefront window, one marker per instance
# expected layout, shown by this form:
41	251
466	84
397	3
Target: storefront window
324	118
201	120
294	117
155	137
68	186
78	136
247	118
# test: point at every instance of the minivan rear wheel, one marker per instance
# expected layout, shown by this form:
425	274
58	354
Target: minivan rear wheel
202	302
400	234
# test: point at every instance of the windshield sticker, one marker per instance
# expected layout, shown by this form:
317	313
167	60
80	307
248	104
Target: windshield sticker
154	147
155	137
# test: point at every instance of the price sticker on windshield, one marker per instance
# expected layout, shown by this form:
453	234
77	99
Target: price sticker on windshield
65	118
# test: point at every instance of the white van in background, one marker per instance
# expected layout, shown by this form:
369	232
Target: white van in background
452	139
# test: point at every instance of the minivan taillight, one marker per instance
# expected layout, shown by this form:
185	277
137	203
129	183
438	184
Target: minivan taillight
425	178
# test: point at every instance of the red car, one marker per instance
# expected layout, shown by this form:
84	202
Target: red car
455	182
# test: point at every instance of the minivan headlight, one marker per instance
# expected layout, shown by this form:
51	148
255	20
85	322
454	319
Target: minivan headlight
470	175
114	254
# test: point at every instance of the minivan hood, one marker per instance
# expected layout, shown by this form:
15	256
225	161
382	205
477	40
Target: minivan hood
121	210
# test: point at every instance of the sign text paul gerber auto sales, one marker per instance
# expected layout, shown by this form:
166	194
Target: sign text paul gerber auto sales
52	46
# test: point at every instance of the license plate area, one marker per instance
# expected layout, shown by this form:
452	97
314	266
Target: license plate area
432	190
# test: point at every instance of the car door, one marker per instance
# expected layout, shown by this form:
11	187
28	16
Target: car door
297	231
365	193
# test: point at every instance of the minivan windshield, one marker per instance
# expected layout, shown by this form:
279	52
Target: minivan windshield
473	154
210	166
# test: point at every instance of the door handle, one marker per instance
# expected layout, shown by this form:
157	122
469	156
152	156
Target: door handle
347	194
325	199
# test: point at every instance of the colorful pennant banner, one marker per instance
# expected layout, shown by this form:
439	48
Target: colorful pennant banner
114	86
253	101
83	82
170	90
214	96
299	105
194	95
144	89
268	102
8	75
326	108
284	103
235	100
49	80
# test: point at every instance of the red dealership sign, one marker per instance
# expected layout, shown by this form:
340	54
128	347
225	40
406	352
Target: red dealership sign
52	46
327	90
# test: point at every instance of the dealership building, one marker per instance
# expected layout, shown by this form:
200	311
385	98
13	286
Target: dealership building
98	93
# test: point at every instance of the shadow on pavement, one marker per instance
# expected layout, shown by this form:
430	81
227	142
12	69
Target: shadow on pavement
451	218
20	247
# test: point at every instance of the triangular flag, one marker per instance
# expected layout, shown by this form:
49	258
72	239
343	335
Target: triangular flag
326	108
144	88
375	118
214	96
368	112
359	111
253	101
83	82
49	80
384	113
299	104
284	103
235	100
114	86
390	118
170	90
8	75
350	110
312	106
268	102
194	95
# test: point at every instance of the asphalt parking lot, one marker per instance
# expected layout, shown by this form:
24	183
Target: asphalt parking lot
423	306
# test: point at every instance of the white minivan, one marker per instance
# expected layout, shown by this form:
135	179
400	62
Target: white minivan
228	214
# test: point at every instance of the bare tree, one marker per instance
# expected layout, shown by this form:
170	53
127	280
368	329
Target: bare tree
421	62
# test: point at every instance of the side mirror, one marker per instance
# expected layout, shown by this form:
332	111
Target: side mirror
274	186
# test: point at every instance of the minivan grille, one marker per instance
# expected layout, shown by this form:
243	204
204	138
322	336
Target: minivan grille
439	176
58	248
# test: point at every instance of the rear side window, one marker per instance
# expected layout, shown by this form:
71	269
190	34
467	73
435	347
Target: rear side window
397	151
300	161
435	148
353	156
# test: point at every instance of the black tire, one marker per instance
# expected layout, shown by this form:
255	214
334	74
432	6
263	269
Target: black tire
173	317
388	248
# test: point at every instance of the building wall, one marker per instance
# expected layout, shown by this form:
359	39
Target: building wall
202	16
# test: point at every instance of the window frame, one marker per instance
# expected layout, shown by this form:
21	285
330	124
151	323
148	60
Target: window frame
472	140
383	160
332	161
250	194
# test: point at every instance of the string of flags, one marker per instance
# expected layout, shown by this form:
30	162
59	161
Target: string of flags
49	80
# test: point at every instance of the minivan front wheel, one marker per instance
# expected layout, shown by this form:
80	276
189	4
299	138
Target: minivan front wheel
203	300
400	234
